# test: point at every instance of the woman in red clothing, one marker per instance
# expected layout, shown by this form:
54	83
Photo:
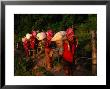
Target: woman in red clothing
25	45
32	39
69	47
32	43
49	35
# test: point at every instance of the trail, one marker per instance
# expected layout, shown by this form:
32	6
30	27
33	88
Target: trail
81	69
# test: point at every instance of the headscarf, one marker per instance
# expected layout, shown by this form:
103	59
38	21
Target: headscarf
23	39
41	36
57	36
34	33
49	33
63	34
69	31
28	36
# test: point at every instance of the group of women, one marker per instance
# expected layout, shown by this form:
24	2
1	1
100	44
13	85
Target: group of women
62	45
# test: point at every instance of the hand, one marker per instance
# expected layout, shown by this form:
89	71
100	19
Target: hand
51	53
76	46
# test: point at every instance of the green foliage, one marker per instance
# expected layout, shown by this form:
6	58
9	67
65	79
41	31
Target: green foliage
84	35
20	69
41	69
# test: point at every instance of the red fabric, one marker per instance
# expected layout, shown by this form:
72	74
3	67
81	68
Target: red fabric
47	44
34	33
49	34
69	31
32	42
25	44
68	53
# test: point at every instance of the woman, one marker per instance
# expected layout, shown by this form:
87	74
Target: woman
69	46
32	40
57	52
33	43
41	48
25	45
49	35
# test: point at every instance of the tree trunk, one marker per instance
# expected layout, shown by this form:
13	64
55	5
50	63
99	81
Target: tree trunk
94	53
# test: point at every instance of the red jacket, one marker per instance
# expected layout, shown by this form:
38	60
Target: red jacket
25	44
32	42
68	53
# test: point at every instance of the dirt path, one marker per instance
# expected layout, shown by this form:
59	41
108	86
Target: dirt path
80	70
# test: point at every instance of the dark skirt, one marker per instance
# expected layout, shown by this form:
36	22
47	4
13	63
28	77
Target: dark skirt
70	67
